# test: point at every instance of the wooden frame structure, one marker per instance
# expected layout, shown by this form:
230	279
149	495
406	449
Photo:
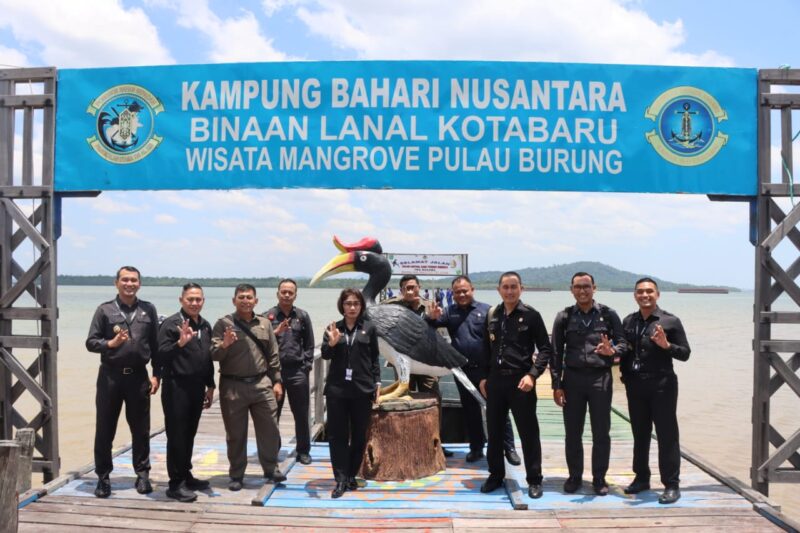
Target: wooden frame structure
28	260
771	226
29	215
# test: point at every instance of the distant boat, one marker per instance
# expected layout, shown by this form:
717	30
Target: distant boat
621	289
538	289
704	290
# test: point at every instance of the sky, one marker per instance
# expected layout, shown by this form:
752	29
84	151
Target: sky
257	233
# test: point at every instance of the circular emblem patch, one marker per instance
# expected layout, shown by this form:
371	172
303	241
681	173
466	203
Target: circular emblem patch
125	124
687	126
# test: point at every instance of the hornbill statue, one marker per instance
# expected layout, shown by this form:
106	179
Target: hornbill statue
405	339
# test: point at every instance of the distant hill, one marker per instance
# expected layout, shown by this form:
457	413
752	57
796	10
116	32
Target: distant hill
556	277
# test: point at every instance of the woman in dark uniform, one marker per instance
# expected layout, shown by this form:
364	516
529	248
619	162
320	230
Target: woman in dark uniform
352	386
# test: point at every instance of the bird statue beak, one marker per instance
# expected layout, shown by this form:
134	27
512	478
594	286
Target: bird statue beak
340	263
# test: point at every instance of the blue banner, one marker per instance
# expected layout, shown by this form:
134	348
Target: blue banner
409	125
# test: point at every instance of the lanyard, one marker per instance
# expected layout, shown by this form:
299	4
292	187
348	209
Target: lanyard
128	319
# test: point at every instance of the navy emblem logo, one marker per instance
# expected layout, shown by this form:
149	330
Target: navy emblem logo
687	126
125	124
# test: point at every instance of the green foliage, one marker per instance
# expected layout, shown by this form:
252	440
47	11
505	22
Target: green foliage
556	277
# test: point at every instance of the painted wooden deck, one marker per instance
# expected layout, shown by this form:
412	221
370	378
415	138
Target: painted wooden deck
447	501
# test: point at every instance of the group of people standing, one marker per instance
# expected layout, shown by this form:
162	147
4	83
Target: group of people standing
262	357
508	348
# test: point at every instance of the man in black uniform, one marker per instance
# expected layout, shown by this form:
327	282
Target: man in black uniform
585	341
409	297
295	336
184	355
124	332
655	337
514	331
466	325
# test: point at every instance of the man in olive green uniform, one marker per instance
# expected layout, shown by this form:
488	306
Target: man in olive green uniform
250	382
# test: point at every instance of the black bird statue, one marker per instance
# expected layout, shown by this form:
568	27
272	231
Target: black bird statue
405	339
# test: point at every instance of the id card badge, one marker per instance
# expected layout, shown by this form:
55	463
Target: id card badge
348	374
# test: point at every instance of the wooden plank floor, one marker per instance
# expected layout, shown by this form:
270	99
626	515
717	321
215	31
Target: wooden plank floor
447	501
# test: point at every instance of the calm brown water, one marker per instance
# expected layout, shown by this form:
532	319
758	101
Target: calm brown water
715	384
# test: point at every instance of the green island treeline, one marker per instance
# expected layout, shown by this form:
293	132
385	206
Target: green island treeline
556	277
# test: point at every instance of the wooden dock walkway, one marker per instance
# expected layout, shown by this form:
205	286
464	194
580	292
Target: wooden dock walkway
447	501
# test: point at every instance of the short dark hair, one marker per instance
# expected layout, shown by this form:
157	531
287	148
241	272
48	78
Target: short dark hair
350	292
287	280
407	278
191	285
462	277
244	287
580	275
507	274
129	269
645	280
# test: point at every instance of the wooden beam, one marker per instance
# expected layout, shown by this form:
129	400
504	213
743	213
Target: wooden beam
515	494
32	191
27	313
777	381
776	439
781	100
27	101
777	345
34	75
787	283
783	370
26	281
35	218
24	224
782	454
9	464
19	371
779	317
783	229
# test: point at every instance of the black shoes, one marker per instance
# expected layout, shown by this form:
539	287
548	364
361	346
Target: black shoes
276	476
535	491
572	484
235	484
671	495
143	485
637	486
197	484
339	489
512	457
600	487
103	489
352	484
304	458
491	484
181	494
446	452
475	456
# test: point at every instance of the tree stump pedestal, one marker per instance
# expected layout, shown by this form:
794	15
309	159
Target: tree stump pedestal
403	441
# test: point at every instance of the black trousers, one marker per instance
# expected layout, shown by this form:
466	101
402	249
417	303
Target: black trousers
503	395
113	389
348	419
654	400
296	388
182	400
473	418
592	388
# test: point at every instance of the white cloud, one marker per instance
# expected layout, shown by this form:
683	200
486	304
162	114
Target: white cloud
236	39
11	58
166	219
128	233
75	239
85	34
107	204
607	31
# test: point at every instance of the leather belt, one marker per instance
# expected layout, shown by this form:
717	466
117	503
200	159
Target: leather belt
245	379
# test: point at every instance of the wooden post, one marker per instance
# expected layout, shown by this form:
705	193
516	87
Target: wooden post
9	461
403	441
26	437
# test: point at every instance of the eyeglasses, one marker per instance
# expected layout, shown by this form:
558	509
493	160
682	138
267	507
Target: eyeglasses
352	304
582	287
